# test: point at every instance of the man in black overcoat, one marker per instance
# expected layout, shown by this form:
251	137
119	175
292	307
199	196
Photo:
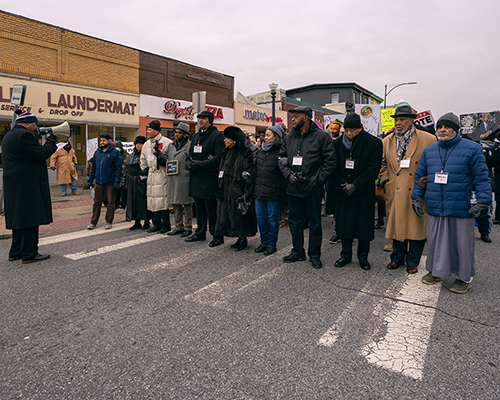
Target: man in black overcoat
26	187
359	156
202	162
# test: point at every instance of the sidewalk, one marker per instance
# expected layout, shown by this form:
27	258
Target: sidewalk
67	212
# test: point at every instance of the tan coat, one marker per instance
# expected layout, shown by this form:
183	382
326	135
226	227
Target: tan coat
156	191
402	222
64	162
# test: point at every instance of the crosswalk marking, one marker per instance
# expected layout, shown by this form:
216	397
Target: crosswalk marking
409	323
114	247
220	292
332	334
81	234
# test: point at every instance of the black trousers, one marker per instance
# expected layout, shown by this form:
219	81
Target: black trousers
206	210
24	243
363	249
161	219
302	208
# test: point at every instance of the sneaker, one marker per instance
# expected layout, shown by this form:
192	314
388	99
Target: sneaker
388	246
430	280
108	226
334	240
460	286
91	226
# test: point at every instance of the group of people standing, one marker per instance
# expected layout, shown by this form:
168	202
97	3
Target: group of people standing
435	185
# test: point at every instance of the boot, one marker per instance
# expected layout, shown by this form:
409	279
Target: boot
236	244
242	246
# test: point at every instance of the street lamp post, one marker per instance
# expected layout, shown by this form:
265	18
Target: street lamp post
398	85
273	87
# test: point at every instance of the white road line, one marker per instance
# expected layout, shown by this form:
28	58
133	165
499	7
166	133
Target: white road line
219	293
332	334
81	234
193	257
114	247
404	346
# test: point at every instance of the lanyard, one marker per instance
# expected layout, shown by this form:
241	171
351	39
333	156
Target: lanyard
446	158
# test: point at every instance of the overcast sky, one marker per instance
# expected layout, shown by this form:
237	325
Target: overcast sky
450	47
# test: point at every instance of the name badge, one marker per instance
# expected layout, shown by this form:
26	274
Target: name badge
297	161
441	178
197	149
151	158
349	164
404	164
221	174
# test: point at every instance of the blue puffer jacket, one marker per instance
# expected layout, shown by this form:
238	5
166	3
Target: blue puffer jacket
106	166
467	171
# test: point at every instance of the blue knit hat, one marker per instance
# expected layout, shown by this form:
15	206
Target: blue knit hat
26	117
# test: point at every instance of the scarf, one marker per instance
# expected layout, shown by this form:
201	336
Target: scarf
403	141
347	143
266	146
179	143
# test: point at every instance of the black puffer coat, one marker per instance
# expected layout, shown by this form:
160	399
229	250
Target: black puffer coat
269	182
136	191
318	158
231	186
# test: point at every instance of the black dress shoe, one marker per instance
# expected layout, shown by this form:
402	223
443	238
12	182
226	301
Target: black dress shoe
163	231
186	233
14	258
270	250
342	262
261	249
316	262
242	246
236	244
292	257
195	238
216	242
38	257
153	229
379	225
175	232
146	226
135	226
364	264
486	238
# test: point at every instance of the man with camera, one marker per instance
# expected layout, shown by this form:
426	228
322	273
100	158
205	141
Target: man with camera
107	172
307	159
26	187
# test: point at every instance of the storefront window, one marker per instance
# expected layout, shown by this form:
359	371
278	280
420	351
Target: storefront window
125	134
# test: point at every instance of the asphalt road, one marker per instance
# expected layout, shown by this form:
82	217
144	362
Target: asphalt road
123	314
